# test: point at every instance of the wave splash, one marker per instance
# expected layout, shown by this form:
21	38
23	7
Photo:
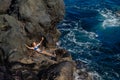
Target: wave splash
111	19
87	33
93	76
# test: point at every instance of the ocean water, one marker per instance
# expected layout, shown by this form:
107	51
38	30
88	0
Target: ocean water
91	33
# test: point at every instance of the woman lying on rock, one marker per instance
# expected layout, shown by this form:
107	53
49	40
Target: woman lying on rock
36	47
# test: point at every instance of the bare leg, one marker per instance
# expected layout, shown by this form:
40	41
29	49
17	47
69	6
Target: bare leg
48	54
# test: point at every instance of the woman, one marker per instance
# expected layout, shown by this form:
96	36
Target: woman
36	47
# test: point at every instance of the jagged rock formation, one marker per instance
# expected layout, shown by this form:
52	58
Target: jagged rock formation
25	21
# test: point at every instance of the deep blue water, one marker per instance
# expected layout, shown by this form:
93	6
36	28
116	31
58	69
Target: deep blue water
91	32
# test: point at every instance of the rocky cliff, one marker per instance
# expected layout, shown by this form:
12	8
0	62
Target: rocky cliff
25	21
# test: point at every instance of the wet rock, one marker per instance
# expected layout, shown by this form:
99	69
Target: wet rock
82	71
81	75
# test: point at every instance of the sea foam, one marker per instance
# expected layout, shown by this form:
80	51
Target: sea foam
111	19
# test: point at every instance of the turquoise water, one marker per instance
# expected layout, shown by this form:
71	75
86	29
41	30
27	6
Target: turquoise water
91	33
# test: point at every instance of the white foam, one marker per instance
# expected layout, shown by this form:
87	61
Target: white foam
93	75
72	37
76	76
111	19
64	24
84	61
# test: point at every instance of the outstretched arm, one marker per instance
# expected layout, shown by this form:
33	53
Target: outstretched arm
40	42
28	47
